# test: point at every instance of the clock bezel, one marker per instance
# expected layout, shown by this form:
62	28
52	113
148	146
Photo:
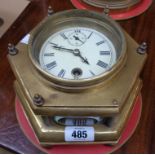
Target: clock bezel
72	18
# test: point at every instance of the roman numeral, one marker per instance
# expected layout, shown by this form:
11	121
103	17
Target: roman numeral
99	43
77	31
102	64
104	52
51	65
48	54
90	35
62	73
92	73
63	36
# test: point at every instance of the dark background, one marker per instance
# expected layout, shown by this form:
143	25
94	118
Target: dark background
141	28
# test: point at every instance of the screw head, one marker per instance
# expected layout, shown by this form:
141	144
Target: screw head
50	11
12	49
142	49
115	102
38	100
106	10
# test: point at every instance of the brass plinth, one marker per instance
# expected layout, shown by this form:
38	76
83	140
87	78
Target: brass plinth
53	133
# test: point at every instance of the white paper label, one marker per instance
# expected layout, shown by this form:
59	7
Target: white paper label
79	134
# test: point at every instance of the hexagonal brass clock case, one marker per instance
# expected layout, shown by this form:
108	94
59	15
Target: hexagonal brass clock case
111	100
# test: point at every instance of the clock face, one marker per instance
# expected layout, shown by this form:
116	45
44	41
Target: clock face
77	53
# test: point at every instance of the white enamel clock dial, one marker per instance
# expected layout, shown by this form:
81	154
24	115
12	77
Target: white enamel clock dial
77	53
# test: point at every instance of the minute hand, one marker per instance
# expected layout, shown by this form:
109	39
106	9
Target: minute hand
63	49
76	52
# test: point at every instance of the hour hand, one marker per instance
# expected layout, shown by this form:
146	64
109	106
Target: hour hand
85	60
77	53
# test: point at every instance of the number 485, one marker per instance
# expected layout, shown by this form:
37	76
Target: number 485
79	134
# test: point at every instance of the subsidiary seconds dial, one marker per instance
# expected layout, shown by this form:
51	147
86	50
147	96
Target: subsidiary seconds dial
77	38
77	53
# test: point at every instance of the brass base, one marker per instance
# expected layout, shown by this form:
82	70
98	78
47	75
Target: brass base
128	131
51	133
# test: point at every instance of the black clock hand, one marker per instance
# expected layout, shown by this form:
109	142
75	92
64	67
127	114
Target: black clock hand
76	52
77	38
53	44
63	49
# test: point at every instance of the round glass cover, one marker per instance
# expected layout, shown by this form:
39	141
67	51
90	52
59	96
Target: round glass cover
77	53
77	48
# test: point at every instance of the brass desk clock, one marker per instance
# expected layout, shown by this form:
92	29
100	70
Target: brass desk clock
78	78
118	9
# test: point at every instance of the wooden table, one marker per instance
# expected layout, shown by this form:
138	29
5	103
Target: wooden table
141	28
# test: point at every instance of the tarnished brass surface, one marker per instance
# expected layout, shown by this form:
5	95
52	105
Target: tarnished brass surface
53	133
112	4
98	101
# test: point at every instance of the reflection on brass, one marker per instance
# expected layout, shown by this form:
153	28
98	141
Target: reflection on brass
105	107
1	22
112	4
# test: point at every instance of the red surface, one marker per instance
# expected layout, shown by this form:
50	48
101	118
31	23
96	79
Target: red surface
126	14
81	149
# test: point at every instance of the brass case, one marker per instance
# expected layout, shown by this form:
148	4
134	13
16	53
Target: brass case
123	88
